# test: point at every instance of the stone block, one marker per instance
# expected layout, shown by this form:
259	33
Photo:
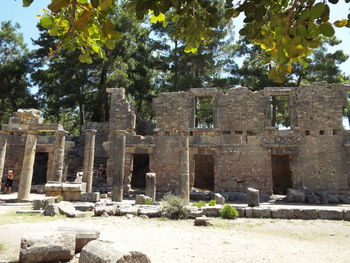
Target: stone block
211	211
202	221
150	211
128	209
282	213
241	211
194	211
48	248
296	196
220	200
90	197
71	196
110	210
53	193
82	236
106	251
333	199
42	203
253	197
259	212
69	210
51	210
323	196
346	215
85	206
330	214
248	212
74	187
53	187
142	199
306	213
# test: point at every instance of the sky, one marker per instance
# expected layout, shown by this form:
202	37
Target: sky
26	17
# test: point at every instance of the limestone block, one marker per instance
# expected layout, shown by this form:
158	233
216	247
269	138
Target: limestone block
71	196
86	206
194	211
306	213
346	215
282	213
82	236
53	187
211	211
74	187
53	193
333	199
296	196
150	211
142	199
110	210
90	197
202	221
323	196
241	211
51	210
253	197
128	209
259	212
69	210
330	214
106	251
48	248
220	200
42	203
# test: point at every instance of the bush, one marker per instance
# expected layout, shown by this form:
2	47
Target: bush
199	204
174	207
212	203
148	202
229	212
59	198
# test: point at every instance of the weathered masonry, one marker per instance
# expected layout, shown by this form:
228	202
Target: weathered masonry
273	139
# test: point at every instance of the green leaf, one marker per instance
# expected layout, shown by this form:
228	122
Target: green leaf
57	5
94	3
316	11
105	4
110	44
46	22
27	3
327	29
341	23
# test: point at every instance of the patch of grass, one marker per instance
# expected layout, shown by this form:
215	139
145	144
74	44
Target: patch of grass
13	218
148	202
2	246
174	207
229	212
212	203
199	204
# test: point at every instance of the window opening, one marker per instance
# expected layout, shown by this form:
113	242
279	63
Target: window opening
346	113
204	112
280	112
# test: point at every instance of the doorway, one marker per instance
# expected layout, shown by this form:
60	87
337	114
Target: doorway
281	173
40	168
204	171
140	168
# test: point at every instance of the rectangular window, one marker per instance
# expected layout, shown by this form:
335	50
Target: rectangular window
346	113
204	112
280	112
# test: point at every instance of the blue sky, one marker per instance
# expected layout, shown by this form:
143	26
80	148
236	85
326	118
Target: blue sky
26	17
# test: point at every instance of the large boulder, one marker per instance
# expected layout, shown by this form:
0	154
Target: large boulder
42	203
48	248
253	197
69	210
99	251
202	221
51	210
142	199
150	210
295	196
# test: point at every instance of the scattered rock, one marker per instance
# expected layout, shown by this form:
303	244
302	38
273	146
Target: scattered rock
127	209
150	211
142	199
220	200
106	252
42	203
90	197
312	199
69	210
48	248
296	196
110	210
194	211
202	221
86	206
82	236
253	197
51	210
211	211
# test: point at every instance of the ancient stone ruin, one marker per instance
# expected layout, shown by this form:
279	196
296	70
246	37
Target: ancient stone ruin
270	140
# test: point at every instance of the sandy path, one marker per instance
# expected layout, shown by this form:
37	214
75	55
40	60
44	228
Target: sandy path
242	240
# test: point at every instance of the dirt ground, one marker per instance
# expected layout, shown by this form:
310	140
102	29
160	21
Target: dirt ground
241	240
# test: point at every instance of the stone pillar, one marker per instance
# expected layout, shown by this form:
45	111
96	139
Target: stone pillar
184	166
58	157
89	155
3	144
118	176
151	189
25	180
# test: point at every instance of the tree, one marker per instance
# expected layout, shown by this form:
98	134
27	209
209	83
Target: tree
14	67
287	30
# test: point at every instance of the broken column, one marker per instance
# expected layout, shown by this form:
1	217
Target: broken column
3	144
184	166
151	189
58	158
118	176
253	197
25	180
89	155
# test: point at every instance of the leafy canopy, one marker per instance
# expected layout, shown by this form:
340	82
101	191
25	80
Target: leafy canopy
287	30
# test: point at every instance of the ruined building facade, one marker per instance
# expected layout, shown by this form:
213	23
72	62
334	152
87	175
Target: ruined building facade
228	141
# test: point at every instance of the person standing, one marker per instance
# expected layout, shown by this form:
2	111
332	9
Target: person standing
9	181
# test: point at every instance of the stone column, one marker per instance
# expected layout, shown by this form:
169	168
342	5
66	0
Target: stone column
58	157
184	166
89	155
3	144
118	176
25	180
151	185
